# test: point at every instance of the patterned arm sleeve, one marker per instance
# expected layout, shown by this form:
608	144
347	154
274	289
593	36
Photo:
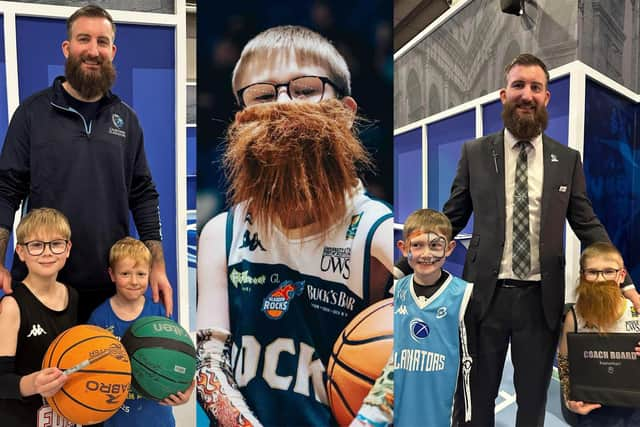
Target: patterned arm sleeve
218	392
377	407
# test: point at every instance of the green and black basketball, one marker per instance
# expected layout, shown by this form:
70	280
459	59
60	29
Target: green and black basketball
163	358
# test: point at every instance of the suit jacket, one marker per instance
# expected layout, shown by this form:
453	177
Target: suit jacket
478	188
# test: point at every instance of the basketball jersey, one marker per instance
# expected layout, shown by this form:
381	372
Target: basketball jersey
136	410
428	336
628	322
39	326
288	301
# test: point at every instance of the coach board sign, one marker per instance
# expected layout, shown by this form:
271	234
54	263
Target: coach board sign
604	368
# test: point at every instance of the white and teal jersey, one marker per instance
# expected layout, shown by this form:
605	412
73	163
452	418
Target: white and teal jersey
428	335
288	301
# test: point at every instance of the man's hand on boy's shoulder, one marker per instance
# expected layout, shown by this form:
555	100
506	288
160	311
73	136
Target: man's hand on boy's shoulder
160	287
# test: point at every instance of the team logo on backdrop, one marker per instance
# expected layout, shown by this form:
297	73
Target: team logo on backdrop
419	330
337	260
277	303
353	226
118	122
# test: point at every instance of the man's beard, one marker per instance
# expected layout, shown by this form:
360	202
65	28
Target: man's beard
599	303
524	126
294	163
89	84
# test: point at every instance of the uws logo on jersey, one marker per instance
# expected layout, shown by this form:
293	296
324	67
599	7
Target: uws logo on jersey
276	304
336	260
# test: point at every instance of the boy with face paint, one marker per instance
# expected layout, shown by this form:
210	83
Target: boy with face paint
302	250
430	343
600	307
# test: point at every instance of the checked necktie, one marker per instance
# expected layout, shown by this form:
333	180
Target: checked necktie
521	256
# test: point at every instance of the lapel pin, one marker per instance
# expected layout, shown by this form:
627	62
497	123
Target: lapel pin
562	188
554	158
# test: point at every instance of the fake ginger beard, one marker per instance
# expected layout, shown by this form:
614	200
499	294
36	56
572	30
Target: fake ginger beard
294	163
600	304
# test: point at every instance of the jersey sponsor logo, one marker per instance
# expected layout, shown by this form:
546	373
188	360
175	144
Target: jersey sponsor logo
276	304
402	310
353	226
337	260
251	242
245	280
441	312
304	376
419	330
36	331
632	325
332	301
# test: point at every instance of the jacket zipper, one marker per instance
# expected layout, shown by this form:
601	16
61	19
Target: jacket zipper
87	129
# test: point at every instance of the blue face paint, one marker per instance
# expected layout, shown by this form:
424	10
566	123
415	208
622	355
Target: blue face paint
410	256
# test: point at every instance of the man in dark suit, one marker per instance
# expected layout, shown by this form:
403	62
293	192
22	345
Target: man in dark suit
521	186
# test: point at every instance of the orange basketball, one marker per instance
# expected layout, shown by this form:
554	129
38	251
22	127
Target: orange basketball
95	392
359	354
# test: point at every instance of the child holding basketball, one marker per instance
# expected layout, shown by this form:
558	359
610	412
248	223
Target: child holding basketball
129	266
600	307
428	303
31	317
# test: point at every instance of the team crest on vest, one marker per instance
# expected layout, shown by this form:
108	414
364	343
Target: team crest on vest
419	330
353	226
276	304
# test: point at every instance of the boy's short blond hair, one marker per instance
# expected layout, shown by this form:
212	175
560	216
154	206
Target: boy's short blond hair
427	220
306	46
129	247
604	250
43	220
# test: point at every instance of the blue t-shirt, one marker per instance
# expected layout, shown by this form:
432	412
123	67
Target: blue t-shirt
136	410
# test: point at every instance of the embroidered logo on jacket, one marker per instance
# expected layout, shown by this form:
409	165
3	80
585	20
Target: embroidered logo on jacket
118	122
276	304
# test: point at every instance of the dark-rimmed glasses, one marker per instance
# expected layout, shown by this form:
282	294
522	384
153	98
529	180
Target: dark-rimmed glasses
591	275
304	88
36	247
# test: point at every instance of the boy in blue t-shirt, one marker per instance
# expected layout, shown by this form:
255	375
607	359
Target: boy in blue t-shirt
129	265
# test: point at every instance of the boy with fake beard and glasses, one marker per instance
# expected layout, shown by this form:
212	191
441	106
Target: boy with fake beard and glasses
419	383
600	307
303	248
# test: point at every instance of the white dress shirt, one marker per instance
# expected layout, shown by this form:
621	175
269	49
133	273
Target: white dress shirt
535	174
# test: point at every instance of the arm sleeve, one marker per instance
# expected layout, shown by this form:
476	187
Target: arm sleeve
15	166
218	392
143	198
459	206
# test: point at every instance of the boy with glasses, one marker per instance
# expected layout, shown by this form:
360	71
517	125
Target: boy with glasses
37	311
600	307
303	248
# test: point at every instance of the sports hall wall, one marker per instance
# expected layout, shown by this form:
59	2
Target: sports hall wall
151	75
446	84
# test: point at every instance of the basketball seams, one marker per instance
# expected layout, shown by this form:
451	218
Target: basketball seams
341	396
